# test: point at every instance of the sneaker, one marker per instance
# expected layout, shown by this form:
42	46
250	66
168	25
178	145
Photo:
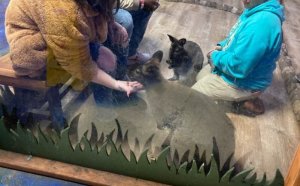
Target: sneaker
140	58
251	107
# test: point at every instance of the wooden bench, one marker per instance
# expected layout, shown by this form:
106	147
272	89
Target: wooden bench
52	95
8	77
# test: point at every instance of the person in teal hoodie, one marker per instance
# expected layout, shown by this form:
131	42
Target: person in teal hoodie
242	65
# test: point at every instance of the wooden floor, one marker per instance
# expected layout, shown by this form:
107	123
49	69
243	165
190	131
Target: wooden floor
265	143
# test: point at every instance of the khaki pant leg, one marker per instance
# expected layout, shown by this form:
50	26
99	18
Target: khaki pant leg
215	87
206	70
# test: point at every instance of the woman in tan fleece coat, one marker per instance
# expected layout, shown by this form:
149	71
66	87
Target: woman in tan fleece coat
55	35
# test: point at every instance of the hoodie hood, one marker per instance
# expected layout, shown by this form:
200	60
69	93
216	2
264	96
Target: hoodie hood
271	6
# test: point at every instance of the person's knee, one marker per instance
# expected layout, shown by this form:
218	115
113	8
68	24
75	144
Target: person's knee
206	70
199	86
124	18
106	59
207	87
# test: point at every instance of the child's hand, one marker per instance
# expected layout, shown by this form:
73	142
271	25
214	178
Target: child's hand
210	62
218	48
208	55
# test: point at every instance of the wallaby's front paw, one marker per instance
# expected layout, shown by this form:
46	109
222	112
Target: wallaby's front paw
173	78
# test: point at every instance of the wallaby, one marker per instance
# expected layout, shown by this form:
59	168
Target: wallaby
174	106
178	116
186	59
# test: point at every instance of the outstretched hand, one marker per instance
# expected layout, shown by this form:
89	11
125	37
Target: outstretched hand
151	5
129	86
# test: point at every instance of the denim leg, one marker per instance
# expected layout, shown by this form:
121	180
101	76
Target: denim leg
124	18
3	42
140	22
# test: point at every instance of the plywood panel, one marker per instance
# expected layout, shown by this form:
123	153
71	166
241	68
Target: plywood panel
293	177
66	171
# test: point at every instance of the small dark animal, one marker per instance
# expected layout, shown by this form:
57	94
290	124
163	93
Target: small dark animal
186	59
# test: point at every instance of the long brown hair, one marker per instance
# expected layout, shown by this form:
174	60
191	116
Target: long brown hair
105	7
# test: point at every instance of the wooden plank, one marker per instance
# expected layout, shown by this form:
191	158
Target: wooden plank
30	84
68	172
6	67
293	177
8	77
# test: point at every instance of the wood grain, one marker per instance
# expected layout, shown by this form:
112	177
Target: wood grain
293	177
67	172
8	77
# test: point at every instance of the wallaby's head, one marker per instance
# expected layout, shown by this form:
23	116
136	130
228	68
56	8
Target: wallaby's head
149	73
177	53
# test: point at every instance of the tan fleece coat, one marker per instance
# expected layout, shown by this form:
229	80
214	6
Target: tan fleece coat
56	33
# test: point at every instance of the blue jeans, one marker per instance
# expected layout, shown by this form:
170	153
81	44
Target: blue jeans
3	43
135	22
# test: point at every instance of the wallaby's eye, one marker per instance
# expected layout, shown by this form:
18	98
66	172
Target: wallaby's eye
152	69
175	45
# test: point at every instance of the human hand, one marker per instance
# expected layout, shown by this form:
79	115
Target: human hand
218	48
118	34
210	62
208	55
151	5
128	86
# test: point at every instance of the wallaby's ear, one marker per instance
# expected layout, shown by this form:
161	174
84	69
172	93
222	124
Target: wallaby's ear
182	41
172	39
158	55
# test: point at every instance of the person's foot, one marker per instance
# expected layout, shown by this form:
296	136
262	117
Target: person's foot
138	58
250	107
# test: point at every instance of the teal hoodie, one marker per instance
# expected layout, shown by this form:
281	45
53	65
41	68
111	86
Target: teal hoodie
249	53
